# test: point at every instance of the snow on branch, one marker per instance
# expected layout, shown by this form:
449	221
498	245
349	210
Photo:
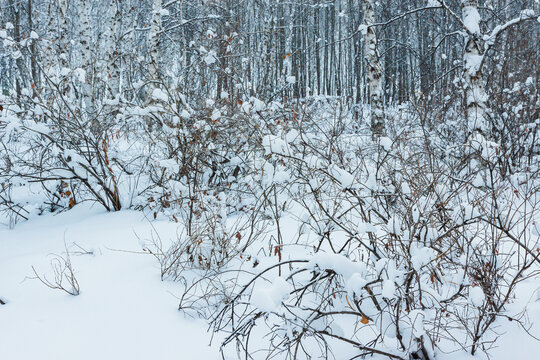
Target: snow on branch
490	39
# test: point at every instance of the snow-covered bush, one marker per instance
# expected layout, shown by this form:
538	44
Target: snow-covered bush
297	221
399	247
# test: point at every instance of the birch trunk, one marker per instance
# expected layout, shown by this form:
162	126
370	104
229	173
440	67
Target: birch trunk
154	40
475	95
51	50
85	33
112	68
374	70
62	19
33	51
85	38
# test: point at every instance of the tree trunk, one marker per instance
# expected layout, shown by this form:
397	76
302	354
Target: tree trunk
85	38
111	50
154	40
33	59
475	96
374	70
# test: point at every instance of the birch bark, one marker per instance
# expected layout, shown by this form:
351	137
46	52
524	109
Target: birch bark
374	70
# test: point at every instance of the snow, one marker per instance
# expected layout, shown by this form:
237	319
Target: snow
338	263
257	104
476	296
210	58
37	127
124	311
389	289
406	189
13	123
80	74
185	114
355	284
471	19
394	225
344	177
421	257
65	71
365	228
363	29
170	164
416	320
292	136
386	143
291	79
490	40
269	298
158	94
216	114
290	206
275	145
473	62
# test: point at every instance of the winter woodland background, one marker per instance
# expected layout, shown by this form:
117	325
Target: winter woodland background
319	178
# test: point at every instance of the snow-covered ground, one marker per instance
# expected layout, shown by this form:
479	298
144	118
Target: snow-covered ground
124	310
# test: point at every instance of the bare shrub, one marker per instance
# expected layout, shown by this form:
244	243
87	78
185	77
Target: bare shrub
410	243
63	275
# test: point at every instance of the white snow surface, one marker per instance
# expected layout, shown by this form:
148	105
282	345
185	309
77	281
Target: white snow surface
123	311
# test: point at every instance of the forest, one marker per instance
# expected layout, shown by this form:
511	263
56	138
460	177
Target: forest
305	179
